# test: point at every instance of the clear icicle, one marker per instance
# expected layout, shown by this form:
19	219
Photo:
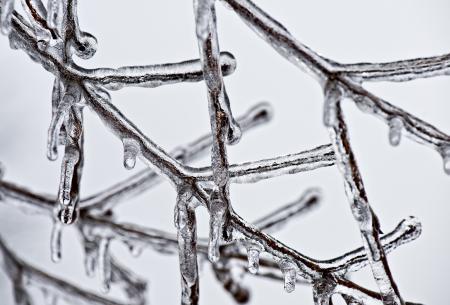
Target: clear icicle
289	270
253	259
395	131
446	159
130	152
52	13
71	96
90	257
71	158
216	223
55	241
6	15
104	264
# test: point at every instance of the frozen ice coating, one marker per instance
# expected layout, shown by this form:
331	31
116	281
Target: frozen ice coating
50	34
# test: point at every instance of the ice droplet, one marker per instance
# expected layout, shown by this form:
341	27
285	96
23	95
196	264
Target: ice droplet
52	13
446	159
253	259
395	131
104	264
289	270
55	241
6	15
130	152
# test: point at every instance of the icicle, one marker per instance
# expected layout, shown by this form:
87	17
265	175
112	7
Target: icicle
6	15
55	241
216	222
72	96
289	270
395	131
104	264
130	152
90	257
333	96
446	159
71	158
253	252
52	13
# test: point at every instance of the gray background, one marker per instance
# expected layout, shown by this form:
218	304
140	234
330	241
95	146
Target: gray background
402	181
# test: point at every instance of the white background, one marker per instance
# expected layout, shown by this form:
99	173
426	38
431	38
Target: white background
402	181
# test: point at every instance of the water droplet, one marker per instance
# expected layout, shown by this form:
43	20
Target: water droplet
289	270
130	152
395	131
55	241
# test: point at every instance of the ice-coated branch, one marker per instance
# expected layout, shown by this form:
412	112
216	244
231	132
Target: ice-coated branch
186	225
95	228
224	128
51	35
354	189
23	37
22	275
397	71
325	70
105	200
281	216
